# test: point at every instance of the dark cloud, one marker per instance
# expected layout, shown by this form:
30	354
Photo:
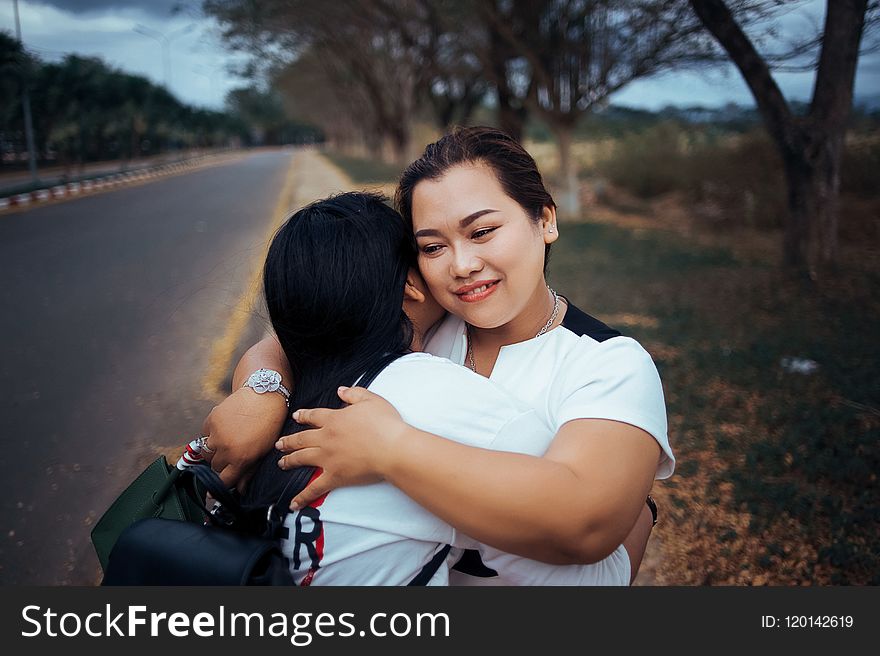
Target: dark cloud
158	8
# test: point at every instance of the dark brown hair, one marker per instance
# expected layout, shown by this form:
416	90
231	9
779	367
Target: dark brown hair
514	168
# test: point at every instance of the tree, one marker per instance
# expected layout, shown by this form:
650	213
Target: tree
15	71
85	110
448	42
576	53
811	146
512	85
360	42
311	98
264	112
383	62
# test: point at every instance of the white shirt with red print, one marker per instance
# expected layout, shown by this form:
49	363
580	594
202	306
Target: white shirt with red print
376	535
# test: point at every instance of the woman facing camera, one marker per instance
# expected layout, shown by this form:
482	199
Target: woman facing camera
483	223
343	298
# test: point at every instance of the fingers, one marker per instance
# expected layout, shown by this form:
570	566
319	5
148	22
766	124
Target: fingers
300	458
207	424
219	459
355	394
235	477
318	417
301	440
230	475
311	416
243	480
313	491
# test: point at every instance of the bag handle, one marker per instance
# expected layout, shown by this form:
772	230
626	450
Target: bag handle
375	369
212	482
431	567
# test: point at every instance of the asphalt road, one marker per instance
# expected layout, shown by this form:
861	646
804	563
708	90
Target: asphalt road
110	306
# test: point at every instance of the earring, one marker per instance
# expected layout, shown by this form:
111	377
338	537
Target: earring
550	230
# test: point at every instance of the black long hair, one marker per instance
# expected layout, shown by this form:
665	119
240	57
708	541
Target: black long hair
333	283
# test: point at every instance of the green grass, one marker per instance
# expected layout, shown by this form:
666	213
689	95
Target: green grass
799	450
363	171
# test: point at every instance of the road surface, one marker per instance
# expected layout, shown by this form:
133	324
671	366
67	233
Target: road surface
112	304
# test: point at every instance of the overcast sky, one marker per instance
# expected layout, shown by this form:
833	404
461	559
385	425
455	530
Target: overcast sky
106	28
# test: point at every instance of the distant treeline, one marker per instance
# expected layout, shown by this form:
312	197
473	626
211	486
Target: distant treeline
620	121
84	110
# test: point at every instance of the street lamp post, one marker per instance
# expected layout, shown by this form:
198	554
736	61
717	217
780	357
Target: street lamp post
165	41
26	105
210	74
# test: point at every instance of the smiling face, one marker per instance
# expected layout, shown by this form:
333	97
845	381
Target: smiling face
480	253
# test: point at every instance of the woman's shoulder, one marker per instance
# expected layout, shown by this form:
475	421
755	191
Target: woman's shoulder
583	336
596	362
603	374
580	324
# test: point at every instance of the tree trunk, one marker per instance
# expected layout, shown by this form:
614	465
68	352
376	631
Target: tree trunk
826	192
511	118
813	177
400	140
373	142
568	201
811	150
799	177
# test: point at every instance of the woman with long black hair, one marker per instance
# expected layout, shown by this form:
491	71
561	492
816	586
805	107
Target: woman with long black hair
343	296
484	223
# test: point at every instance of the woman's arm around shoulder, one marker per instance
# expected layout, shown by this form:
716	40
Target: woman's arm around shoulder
574	505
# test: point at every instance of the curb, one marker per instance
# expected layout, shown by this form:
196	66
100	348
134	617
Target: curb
105	182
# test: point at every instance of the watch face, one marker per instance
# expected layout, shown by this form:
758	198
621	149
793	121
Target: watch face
265	380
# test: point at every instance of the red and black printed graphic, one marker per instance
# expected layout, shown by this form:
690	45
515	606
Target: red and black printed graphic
308	537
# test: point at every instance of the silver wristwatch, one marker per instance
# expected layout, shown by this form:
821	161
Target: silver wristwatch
267	380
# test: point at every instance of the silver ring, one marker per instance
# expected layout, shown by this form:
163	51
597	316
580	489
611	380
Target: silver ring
203	444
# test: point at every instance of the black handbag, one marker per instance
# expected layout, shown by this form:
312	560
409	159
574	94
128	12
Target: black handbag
235	545
149	553
158	551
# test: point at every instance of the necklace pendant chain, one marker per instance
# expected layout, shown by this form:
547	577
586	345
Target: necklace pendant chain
553	315
470	346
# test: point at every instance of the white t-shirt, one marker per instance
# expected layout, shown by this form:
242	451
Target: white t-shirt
582	369
376	535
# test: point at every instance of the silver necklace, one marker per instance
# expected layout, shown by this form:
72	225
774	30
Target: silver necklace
470	349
